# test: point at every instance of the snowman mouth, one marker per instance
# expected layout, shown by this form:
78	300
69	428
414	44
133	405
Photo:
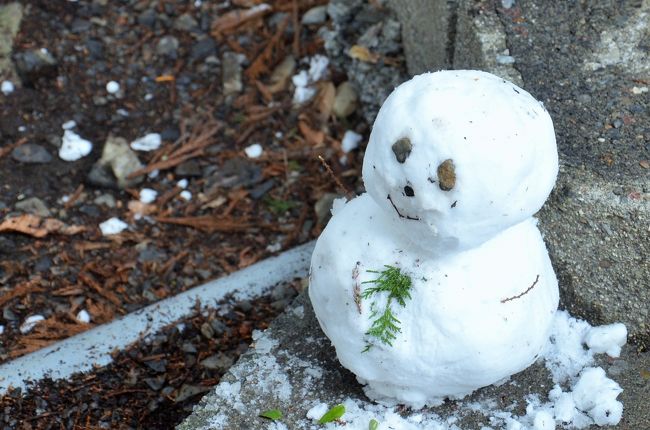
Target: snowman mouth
399	214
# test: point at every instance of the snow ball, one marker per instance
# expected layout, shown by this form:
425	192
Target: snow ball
595	394
318	67
607	338
186	195
254	150
337	205
350	141
83	316
147	195
316	412
7	87
112	87
149	142
112	226
182	183
74	147
153	174
2	329
69	125
30	322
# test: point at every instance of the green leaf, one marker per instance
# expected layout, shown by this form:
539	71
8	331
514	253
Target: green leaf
332	415
373	424
272	414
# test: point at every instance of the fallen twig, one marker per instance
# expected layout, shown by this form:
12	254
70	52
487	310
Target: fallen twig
522	294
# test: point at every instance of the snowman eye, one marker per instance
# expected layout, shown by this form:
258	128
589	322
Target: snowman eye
409	191
402	149
446	175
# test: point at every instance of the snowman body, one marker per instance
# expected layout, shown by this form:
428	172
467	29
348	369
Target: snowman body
451	194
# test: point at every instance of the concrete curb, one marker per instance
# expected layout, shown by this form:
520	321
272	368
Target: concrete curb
92	348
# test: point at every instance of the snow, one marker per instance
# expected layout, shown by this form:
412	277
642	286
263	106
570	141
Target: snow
7	87
608	339
83	316
112	87
148	195
69	125
73	147
186	195
112	226
317	411
318	66
350	141
149	142
254	151
2	329
456	165
182	183
30	322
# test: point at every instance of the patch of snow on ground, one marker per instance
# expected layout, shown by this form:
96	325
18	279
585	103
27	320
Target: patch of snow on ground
30	322
112	87
318	65
69	125
7	87
186	195
350	141
254	150
83	316
74	147
148	195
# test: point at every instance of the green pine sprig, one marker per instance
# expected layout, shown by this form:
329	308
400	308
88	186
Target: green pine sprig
385	325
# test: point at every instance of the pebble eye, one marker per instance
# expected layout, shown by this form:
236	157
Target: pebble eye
409	191
402	149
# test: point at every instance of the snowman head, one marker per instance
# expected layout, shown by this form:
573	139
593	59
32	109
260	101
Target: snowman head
455	157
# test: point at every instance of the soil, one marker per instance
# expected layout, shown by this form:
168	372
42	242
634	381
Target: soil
209	78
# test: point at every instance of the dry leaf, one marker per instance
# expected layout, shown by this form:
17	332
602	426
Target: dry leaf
324	101
314	137
35	226
237	17
361	53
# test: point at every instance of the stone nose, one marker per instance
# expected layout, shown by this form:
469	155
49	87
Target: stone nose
447	175
402	149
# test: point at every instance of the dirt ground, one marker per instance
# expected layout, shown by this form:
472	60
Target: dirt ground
212	79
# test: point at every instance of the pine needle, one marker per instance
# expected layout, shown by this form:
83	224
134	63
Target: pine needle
385	325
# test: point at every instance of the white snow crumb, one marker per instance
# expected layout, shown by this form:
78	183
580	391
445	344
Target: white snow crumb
318	67
596	394
350	141
544	421
180	327
22	128
298	311
148	97
112	87
639	90
276	425
153	174
2	329
254	150
182	183
65	199
274	247
148	195
149	142
564	354
186	195
265	344
30	322
607	338
303	94
505	59
112	226
301	79
74	147
83	316
316	412
278	135
507	4
7	87
122	112
68	125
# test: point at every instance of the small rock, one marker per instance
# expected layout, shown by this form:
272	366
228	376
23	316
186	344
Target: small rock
220	362
33	205
90	210
282	74
186	391
189	348
584	99
231	74
203	48
118	160
207	331
259	191
245	306
80	26
218	327
315	15
43	264
186	22
158	366
105	199
147	18
35	64
155	383
323	207
188	168
168	47
31	153
170	134
236	172
618	123
446	175
345	101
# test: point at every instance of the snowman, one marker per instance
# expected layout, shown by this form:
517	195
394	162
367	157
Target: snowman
437	282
